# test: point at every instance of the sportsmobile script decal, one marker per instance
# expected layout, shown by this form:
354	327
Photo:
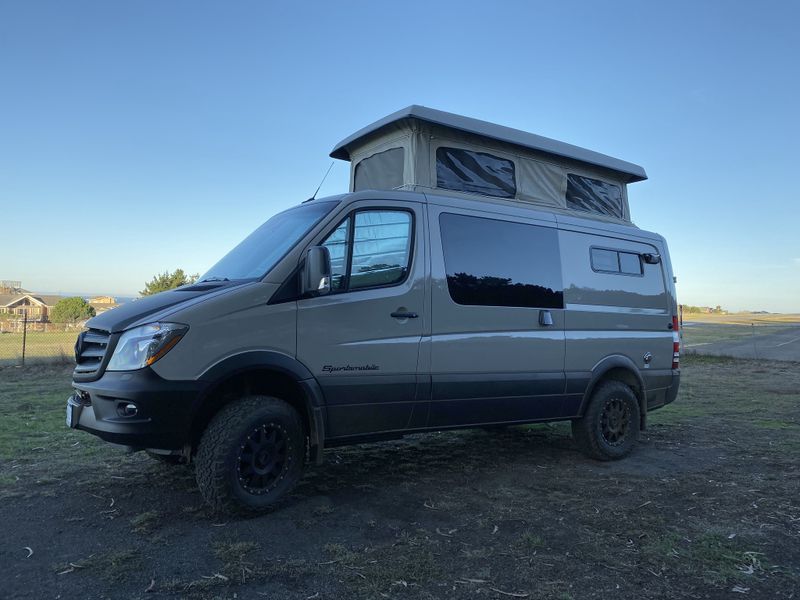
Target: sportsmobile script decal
334	369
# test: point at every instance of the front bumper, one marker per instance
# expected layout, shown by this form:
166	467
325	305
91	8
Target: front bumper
163	415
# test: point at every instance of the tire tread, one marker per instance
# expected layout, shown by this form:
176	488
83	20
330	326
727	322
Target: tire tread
211	471
583	428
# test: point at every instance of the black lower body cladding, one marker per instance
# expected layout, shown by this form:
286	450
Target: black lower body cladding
137	408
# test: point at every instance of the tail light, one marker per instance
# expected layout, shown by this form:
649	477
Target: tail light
676	343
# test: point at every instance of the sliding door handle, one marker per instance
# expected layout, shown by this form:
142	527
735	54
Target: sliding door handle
545	318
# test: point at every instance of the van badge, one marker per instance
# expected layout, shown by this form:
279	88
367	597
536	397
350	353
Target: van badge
338	369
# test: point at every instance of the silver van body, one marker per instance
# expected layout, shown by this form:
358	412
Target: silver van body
438	311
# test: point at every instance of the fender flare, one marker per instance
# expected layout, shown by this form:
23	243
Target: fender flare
616	361
254	360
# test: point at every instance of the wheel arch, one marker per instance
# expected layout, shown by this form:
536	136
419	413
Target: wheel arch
618	368
262	372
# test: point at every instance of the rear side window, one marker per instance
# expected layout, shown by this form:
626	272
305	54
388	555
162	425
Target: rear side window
475	172
616	261
498	263
370	249
593	195
381	171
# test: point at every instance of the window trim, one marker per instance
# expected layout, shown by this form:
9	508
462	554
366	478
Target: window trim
349	247
620	271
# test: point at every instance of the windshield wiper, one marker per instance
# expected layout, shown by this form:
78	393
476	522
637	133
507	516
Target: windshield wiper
214	279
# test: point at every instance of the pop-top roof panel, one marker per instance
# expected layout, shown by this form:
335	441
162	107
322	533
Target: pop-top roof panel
629	171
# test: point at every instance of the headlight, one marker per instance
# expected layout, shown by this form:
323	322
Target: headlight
142	346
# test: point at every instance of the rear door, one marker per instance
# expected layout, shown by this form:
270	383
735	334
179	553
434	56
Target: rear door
497	344
362	340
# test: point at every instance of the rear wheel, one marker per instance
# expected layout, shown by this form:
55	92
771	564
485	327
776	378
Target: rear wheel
609	428
250	455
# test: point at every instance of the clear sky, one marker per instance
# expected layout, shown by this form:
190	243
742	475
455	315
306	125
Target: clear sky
143	136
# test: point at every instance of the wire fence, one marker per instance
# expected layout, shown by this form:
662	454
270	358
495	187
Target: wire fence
24	342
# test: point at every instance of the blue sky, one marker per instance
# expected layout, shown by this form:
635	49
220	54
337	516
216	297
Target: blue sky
139	137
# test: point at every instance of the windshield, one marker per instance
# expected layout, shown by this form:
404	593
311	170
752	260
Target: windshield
262	249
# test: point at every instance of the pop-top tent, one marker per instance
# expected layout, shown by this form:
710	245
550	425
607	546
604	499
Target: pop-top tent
423	148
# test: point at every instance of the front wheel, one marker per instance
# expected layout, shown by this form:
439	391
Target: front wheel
609	428
250	455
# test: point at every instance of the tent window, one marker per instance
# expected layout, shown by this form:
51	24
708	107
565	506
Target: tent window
381	171
476	172
593	195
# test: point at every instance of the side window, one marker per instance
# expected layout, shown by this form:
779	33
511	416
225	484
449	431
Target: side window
605	260
616	261
376	251
499	263
337	246
476	172
381	248
630	263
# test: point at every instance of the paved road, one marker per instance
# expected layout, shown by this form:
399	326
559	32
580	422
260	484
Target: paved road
783	344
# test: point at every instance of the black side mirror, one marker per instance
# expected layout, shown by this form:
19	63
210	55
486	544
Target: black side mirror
317	272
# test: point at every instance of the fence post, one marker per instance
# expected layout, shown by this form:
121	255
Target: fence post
24	333
753	332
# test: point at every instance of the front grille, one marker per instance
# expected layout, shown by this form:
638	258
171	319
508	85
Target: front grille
90	349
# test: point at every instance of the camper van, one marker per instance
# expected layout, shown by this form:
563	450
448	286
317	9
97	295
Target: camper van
473	276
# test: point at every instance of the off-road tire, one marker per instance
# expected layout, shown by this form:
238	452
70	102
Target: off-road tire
166	459
592	433
222	448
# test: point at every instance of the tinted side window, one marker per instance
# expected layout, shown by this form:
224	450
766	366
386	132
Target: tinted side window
381	171
477	172
593	195
605	260
630	263
498	263
616	261
376	252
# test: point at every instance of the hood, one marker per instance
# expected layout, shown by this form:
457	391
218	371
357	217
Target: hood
120	318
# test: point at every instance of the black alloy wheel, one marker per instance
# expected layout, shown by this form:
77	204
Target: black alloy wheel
615	421
609	427
264	458
251	454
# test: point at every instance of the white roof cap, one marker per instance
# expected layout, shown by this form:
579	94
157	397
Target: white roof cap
630	171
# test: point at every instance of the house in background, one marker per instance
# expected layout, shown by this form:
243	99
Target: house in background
103	303
37	306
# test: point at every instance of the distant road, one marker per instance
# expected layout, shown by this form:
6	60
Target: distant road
783	344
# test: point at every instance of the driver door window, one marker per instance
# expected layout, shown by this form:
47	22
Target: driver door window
375	252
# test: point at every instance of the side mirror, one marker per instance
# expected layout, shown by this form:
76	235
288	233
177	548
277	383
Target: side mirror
317	272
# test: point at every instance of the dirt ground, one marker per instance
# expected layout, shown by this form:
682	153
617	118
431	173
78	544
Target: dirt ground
708	506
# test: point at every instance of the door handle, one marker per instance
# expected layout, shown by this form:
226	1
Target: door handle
404	315
545	318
